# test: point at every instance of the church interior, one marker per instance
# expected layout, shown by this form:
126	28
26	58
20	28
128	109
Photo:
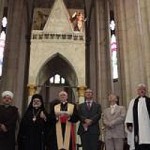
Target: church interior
52	45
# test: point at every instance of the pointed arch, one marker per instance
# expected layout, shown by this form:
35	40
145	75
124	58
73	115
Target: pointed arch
57	64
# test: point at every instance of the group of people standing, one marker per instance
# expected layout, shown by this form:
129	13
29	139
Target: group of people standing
39	130
136	122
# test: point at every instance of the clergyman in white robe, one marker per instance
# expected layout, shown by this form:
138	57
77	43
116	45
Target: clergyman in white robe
129	119
143	124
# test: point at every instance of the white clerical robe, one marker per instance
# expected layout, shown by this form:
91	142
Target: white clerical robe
143	121
129	119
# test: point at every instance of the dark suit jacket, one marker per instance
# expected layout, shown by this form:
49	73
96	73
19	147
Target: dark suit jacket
94	114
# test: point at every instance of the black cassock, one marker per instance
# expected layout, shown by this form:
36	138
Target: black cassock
31	134
51	139
8	117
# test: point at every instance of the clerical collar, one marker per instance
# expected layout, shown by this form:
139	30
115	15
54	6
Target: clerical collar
141	98
64	102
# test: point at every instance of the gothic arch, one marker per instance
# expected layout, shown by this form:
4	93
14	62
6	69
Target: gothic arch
57	64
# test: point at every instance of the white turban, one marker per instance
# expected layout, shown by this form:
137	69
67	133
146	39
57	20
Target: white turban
7	93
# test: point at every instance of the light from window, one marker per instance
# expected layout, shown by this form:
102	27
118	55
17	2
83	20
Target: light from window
4	22
57	79
62	80
51	80
113	47
112	25
2	42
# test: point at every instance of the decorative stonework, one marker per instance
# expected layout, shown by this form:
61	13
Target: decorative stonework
58	21
37	35
57	37
32	89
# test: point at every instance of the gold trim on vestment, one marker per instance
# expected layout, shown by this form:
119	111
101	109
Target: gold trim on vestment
63	144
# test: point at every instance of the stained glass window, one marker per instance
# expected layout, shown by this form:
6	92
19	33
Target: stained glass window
113	50
57	79
2	42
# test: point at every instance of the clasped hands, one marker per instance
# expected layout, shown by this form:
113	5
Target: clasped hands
63	116
109	124
62	113
87	122
3	128
43	116
130	128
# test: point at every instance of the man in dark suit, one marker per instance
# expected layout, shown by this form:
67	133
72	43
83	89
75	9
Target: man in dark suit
89	114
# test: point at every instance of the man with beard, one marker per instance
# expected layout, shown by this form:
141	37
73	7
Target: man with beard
32	131
8	119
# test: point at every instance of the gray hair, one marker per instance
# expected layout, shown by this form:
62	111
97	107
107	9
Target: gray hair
141	85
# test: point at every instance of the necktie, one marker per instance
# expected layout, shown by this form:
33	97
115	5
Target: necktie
89	105
112	109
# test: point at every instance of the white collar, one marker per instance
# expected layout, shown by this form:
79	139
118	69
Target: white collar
113	106
89	101
64	102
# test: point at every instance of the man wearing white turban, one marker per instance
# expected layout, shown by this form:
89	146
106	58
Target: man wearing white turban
7	93
8	119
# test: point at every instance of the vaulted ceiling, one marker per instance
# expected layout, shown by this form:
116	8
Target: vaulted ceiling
77	4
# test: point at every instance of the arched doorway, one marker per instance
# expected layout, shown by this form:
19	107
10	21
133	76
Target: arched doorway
55	75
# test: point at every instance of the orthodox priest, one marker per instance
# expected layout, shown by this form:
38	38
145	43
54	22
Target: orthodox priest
138	121
64	115
32	130
8	119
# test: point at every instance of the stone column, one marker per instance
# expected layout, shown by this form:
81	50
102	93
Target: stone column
90	43
144	22
103	71
1	11
133	40
16	55
31	91
81	91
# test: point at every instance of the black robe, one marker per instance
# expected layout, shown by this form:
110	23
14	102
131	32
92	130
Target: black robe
8	117
31	134
51	139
